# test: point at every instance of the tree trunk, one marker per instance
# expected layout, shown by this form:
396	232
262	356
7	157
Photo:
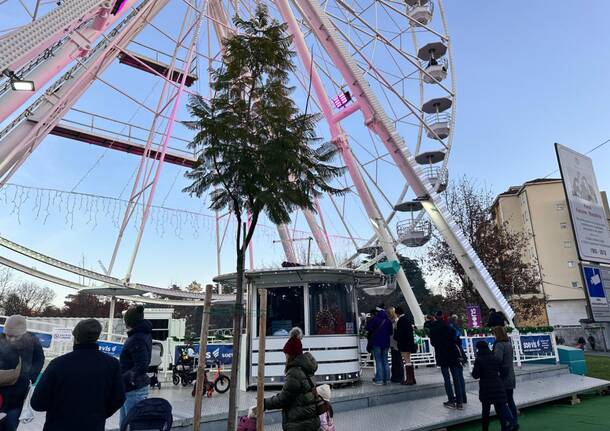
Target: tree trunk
237	328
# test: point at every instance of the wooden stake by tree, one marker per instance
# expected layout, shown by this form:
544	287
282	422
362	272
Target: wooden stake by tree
251	139
203	346
260	384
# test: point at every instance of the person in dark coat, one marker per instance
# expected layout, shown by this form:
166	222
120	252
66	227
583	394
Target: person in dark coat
488	369
503	351
10	369
30	352
496	318
397	371
447	355
135	358
297	399
380	328
405	342
81	389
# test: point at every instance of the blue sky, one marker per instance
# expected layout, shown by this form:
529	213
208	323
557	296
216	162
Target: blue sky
528	75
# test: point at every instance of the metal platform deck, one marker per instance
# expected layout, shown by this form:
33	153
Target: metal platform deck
391	407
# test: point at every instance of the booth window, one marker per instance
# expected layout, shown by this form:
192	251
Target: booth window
331	308
284	310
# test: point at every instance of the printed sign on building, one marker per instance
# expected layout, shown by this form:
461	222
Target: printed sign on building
473	314
222	353
585	203
61	335
597	282
110	348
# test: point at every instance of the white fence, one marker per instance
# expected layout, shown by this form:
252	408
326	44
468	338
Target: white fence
526	347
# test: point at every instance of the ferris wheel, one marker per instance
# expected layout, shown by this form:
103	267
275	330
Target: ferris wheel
379	72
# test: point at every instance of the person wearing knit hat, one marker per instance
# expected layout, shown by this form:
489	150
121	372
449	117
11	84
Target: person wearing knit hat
296	399
327	422
135	358
15	326
31	355
81	389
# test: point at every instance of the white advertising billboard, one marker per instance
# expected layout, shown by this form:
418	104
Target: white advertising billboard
585	203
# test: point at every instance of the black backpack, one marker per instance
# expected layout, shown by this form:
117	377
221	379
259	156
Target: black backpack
149	414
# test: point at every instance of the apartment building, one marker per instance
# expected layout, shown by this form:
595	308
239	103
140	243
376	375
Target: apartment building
538	209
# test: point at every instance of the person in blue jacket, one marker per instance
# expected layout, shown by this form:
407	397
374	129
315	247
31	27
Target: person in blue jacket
380	330
135	358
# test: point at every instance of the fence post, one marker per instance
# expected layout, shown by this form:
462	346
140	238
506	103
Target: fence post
203	344
260	375
554	344
517	347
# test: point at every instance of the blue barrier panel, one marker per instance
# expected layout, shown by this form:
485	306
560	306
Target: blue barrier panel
537	345
112	349
215	352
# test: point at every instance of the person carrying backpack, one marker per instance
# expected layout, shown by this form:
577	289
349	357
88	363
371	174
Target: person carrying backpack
380	330
135	358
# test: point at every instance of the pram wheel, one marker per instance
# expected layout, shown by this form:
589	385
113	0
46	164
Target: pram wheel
185	381
175	379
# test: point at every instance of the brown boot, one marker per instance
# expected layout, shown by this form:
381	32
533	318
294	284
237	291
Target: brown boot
410	373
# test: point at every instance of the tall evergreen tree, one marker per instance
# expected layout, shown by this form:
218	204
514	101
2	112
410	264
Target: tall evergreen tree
255	149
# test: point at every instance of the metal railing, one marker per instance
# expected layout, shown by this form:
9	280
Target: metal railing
425	351
439	117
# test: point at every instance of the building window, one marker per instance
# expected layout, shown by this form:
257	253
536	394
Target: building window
560	207
563	225
567	244
331	309
571	263
575	284
285	310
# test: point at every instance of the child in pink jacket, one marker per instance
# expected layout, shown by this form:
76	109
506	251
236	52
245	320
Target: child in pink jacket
326	419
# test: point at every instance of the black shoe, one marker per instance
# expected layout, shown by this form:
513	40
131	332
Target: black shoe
450	405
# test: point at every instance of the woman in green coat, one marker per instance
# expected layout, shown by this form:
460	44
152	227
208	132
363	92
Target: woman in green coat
296	399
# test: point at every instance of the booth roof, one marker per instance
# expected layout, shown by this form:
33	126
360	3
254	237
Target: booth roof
304	274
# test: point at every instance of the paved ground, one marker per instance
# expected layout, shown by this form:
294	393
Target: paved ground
215	407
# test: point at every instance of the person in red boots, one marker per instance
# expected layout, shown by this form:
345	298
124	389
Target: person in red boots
406	344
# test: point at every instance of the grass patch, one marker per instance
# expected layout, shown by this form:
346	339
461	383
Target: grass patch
590	415
598	366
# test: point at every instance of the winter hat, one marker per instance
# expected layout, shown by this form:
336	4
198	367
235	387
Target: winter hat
324	392
15	326
293	346
133	315
87	331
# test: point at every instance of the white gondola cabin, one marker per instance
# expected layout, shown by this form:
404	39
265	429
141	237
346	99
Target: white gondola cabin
322	302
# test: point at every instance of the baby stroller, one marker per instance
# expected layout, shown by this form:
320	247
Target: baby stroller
152	414
156	356
184	371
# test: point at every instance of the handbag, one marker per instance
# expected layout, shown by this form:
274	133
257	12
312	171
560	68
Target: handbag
27	414
369	338
321	405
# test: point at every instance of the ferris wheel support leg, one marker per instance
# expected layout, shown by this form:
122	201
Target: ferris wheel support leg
320	238
286	241
377	120
340	140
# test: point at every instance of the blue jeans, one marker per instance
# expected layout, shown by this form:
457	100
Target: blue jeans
456	375
131	399
382	367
